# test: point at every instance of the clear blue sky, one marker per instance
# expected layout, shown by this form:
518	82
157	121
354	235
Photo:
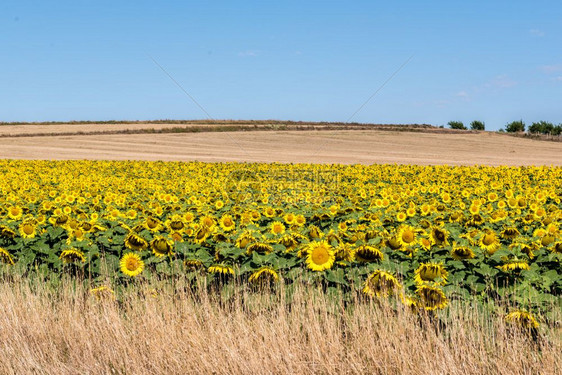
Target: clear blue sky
495	61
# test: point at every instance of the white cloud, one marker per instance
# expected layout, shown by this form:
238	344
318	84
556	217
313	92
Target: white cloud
249	53
501	82
462	94
537	33
548	69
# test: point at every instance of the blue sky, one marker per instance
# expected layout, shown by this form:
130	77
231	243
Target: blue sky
494	61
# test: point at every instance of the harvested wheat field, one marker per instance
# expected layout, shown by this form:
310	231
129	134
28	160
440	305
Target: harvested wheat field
327	146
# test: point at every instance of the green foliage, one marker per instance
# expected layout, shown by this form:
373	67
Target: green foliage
515	126
456	125
477	125
542	127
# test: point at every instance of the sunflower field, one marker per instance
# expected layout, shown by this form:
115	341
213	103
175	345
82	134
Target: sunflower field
422	235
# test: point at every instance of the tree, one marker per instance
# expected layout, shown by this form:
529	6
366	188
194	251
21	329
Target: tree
542	127
477	125
515	126
557	130
456	125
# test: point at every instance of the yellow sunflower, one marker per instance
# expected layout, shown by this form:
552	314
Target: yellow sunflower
380	283
135	242
522	319
406	235
161	246
277	228
221	269
227	223
6	257
131	264
431	297
514	265
462	253
439	236
431	272
490	241
320	256
367	253
264	275
28	229
72	256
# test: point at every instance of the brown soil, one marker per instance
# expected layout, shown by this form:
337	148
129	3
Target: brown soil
328	146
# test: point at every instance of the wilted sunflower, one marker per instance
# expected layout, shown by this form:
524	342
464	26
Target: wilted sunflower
103	293
320	256
161	246
193	264
462	252
259	247
264	276
244	240
514	265
6	257
557	248
522	319
367	253
152	224
510	233
6	232
439	236
221	269
131	264
431	272
380	284
314	232
344	252
431	297
135	242
490	241
72	256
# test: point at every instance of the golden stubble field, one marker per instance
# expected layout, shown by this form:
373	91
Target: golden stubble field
326	146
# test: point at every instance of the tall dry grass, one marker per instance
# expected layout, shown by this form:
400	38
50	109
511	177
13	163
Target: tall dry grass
65	330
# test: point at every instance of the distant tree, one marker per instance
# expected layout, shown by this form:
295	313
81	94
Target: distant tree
542	127
515	126
477	125
557	130
456	125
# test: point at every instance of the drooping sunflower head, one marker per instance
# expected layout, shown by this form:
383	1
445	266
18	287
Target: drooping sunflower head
244	240
6	257
6	232
72	256
193	264
314	232
152	224
103	292
131	264
439	236
161	246
367	253
221	270
431	297
260	247
489	241
134	241
557	248
264	276
514	265
462	253
510	233
380	284
344	252
522	319
320	256
431	272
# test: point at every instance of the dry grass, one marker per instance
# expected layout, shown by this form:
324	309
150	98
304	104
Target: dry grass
64	330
